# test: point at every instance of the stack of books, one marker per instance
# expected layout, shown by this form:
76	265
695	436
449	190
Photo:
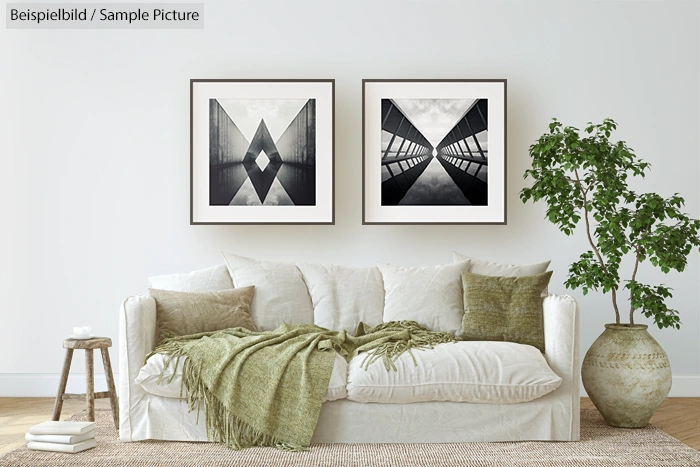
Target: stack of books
62	436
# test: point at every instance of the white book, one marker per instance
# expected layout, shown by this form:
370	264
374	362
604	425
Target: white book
60	439
62	428
82	446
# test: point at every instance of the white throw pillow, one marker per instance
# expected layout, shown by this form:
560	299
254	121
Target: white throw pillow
431	296
280	292
471	371
489	268
212	279
150	373
342	296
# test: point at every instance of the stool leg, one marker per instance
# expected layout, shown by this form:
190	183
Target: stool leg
110	386
58	405
90	385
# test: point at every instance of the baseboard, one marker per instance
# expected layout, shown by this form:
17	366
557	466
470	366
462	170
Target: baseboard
46	384
685	386
682	386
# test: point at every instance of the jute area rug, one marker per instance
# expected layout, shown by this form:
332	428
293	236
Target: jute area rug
600	445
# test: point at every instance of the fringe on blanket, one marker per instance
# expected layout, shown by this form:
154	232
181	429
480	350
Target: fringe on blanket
221	424
419	339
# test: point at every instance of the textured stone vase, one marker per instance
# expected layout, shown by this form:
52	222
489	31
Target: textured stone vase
627	375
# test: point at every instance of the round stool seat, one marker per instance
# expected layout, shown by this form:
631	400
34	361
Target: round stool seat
92	343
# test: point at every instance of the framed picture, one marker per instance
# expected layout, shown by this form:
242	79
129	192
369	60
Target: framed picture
261	151
434	151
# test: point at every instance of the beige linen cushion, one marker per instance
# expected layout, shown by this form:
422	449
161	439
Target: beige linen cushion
280	292
504	309
342	296
202	280
431	296
477	372
490	268
183	313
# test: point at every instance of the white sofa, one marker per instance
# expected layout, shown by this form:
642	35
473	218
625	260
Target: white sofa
399	412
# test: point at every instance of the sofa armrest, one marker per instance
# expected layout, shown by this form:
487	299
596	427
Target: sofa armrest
561	342
137	337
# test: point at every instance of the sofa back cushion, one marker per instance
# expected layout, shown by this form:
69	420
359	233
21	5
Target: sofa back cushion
431	296
280	292
490	268
202	280
343	296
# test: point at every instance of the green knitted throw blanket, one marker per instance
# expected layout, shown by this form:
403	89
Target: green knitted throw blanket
266	388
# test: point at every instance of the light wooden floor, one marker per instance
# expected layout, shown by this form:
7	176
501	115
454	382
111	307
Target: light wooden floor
678	416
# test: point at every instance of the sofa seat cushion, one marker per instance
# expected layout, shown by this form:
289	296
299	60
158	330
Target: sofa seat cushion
150	372
475	371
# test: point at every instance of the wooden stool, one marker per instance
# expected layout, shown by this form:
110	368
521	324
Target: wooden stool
102	343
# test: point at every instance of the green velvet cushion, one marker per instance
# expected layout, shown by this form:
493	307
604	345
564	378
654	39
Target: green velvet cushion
504	308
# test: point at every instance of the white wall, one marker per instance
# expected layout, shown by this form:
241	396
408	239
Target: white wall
94	134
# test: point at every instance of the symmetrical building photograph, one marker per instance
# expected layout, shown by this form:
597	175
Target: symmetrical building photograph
250	166
434	151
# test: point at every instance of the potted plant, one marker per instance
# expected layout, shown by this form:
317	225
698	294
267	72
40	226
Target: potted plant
582	176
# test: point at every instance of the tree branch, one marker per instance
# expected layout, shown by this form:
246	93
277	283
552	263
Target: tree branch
576	181
593	245
636	266
634	275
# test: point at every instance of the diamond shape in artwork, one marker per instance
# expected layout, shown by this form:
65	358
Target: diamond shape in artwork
262	160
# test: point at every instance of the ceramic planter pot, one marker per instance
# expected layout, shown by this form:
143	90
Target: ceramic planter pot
627	375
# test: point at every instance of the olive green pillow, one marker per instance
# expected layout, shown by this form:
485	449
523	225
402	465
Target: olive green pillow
504	308
182	313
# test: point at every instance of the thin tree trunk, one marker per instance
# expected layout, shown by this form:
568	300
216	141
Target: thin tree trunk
634	275
595	248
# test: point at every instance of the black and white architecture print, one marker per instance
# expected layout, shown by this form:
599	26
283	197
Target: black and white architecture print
262	152
434	152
